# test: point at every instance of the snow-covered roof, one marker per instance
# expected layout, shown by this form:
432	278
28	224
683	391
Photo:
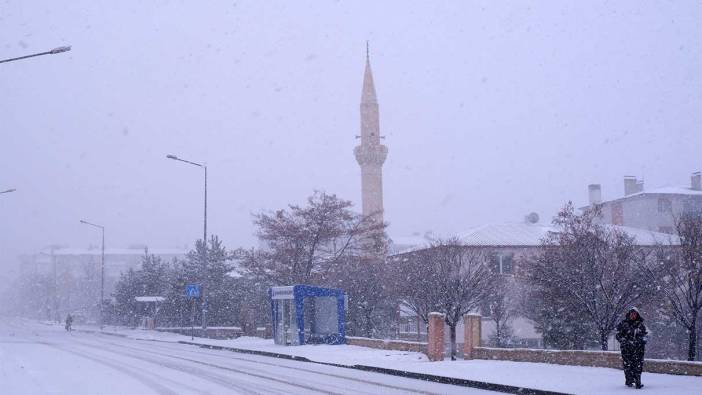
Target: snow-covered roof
531	235
671	190
149	298
506	234
406	311
646	237
665	190
404	243
116	251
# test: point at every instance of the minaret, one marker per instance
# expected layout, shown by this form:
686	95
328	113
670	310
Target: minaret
370	154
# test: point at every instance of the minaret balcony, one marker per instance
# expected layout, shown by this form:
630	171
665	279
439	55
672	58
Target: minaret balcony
373	154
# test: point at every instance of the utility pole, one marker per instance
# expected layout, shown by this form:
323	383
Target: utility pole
102	269
52	256
53	261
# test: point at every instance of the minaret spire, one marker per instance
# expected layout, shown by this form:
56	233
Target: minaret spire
371	154
368	93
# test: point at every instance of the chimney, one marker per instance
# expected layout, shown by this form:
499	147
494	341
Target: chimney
632	185
594	194
696	181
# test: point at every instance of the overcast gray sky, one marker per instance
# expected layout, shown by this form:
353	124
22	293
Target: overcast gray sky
490	111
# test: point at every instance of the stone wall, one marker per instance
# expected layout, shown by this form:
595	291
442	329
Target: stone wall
397	345
608	359
673	367
605	359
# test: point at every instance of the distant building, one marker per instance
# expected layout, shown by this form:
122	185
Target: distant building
117	260
651	209
76	273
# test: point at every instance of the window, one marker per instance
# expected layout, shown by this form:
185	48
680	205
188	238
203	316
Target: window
665	205
502	263
691	206
506	267
485	310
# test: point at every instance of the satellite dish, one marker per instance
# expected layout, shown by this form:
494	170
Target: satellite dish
532	218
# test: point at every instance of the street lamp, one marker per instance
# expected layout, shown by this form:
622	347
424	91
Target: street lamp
8	190
102	266
52	52
204	238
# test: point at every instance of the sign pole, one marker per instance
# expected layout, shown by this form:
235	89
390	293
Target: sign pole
192	319
192	291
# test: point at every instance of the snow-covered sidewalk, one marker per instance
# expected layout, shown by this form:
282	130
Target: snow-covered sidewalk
560	378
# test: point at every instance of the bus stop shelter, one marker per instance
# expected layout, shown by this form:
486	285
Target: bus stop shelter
305	314
151	304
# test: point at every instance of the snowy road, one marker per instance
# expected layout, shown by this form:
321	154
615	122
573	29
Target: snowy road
40	359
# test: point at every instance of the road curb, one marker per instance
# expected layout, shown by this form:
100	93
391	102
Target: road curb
509	389
247	351
99	332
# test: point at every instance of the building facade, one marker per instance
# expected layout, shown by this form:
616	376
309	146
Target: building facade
653	209
507	247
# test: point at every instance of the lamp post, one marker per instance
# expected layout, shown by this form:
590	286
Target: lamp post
204	240
57	317
52	52
102	266
8	190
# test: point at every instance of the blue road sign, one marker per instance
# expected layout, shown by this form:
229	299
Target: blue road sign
192	290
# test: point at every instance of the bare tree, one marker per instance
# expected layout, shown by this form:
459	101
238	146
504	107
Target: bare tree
500	307
676	269
464	280
412	280
448	277
592	268
303	244
370	302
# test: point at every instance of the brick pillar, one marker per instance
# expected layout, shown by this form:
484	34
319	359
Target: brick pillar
435	337
471	334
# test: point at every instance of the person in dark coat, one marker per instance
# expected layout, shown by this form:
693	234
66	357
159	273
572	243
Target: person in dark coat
69	322
632	336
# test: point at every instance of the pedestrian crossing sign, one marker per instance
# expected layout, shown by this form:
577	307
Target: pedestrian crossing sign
192	291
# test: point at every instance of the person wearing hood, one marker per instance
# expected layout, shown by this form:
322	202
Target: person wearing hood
632	336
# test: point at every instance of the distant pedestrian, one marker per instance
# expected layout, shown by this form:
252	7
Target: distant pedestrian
69	322
632	336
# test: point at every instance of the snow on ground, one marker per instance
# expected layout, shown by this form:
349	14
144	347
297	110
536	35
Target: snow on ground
27	368
570	379
45	359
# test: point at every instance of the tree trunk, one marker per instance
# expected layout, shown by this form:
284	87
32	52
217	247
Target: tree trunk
692	345
604	337
369	323
498	334
452	330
